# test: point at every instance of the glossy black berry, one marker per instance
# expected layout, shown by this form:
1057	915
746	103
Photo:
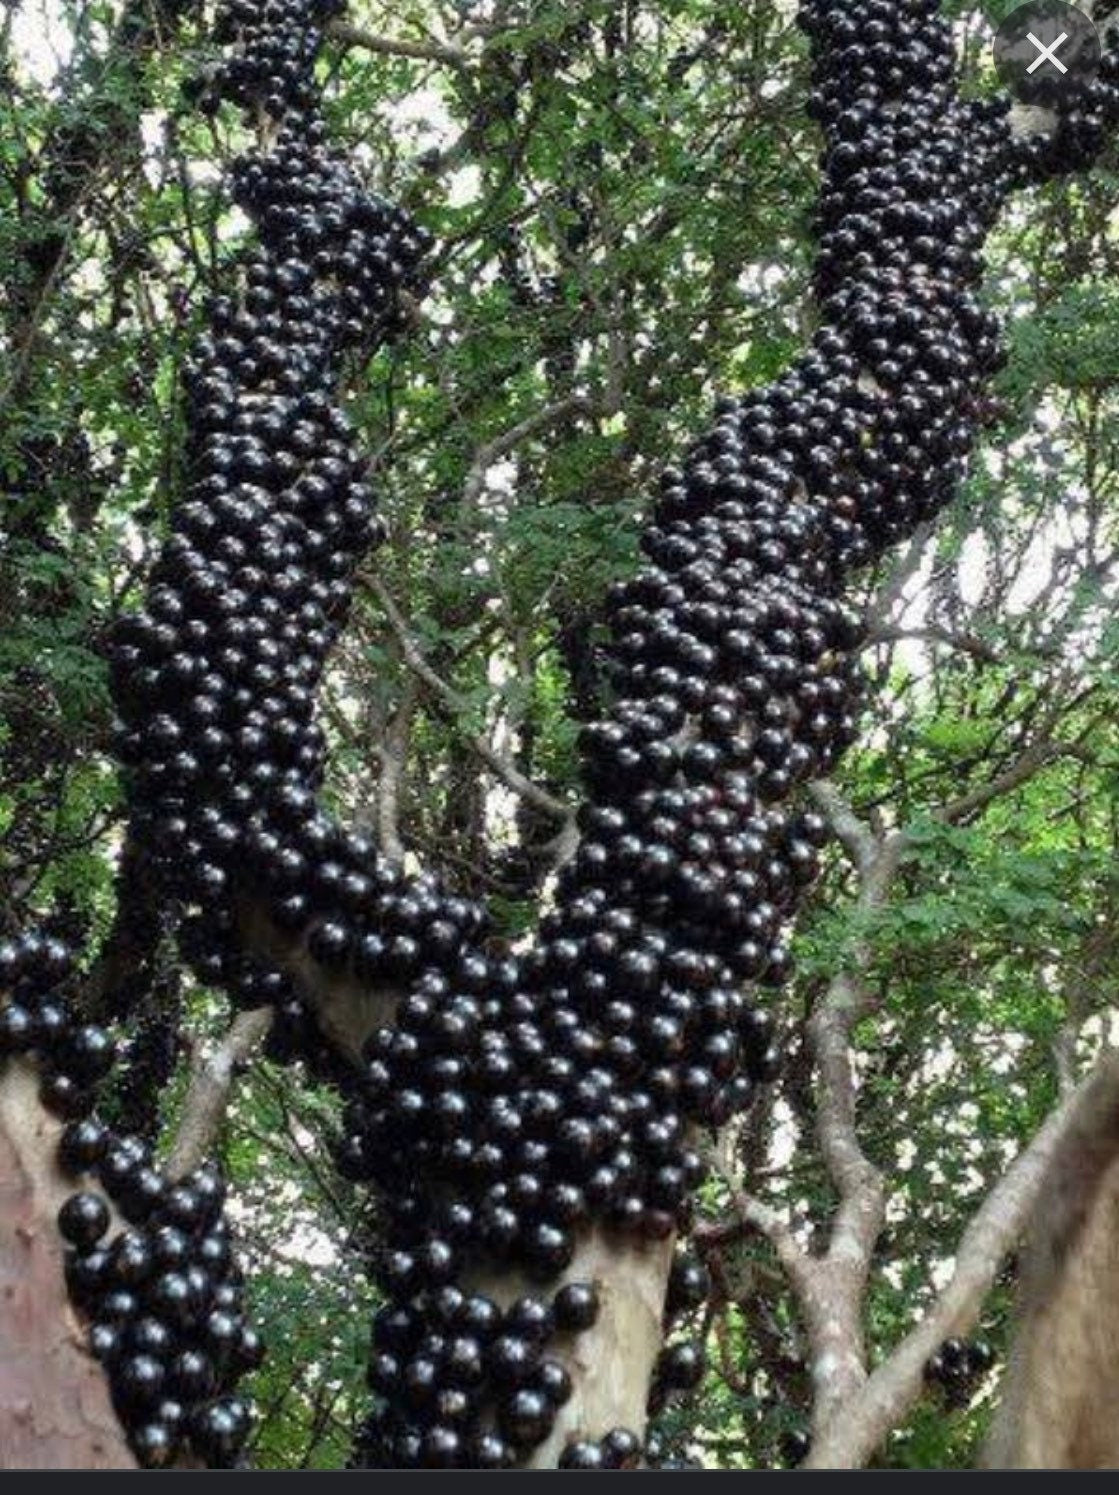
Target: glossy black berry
621	1449
81	1145
576	1306
83	1220
582	1455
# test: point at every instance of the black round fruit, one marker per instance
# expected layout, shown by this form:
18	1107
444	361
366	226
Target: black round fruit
576	1306
83	1220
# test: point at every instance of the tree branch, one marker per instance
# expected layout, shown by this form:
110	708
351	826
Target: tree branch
966	643
211	1084
394	754
831	1297
753	1214
394	46
846	1000
833	1305
414	658
856	838
1031	761
896	1384
492	451
906	567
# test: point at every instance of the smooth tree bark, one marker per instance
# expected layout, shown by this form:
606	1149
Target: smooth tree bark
55	1411
1021	1202
1056	1409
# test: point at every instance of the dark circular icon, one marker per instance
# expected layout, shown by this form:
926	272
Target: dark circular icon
1046	51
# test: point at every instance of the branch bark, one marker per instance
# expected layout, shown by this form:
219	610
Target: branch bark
55	1411
753	1214
394	755
347	1010
397	46
1038	755
414	658
966	643
896	1384
611	1364
831	1288
211	1085
856	838
1057	1404
491	452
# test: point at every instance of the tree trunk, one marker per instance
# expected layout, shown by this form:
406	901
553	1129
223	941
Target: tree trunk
55	1411
1057	1408
611	1363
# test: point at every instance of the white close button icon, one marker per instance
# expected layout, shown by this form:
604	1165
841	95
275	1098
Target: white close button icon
1052	32
1047	53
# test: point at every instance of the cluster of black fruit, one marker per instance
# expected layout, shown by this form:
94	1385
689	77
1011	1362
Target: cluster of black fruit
164	1299
516	1103
431	1361
72	1056
465	1382
163	1295
957	1368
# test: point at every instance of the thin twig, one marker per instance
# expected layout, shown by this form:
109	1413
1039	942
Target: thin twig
414	658
397	46
492	451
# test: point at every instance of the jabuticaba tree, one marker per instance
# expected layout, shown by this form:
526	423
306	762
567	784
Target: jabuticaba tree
530	1121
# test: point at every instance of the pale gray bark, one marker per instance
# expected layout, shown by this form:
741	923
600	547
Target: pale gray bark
1057	1404
830	1287
891	1390
211	1084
